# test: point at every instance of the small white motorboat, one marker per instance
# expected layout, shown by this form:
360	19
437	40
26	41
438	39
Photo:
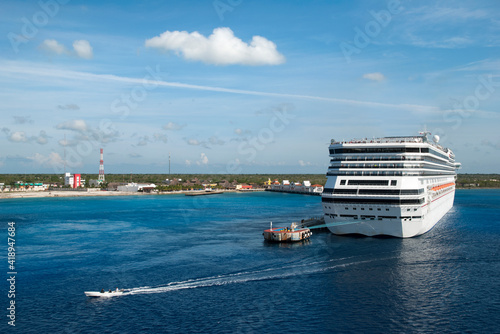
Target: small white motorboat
104	294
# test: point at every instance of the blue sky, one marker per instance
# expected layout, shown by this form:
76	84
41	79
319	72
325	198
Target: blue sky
238	86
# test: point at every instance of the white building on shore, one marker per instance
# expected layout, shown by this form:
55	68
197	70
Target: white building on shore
136	187
297	187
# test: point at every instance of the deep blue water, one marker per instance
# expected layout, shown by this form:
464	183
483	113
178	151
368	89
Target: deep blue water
209	271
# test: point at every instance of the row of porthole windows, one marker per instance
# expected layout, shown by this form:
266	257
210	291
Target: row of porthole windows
371	209
363	217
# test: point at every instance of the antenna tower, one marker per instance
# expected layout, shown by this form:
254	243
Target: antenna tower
101	169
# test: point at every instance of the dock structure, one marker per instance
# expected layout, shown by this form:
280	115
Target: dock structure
314	223
203	193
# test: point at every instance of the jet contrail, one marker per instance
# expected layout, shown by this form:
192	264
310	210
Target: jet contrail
72	75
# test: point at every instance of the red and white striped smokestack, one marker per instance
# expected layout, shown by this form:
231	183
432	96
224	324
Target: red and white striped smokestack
101	168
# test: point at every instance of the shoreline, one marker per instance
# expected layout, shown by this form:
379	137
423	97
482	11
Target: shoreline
55	193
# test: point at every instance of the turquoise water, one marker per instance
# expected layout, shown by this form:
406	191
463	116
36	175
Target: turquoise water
199	264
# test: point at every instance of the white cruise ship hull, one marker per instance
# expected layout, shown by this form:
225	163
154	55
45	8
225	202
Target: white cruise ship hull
401	228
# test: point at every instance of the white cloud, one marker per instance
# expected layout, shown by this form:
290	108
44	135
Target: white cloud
377	76
143	141
53	159
53	46
42	138
220	48
78	125
83	49
188	163
22	120
68	107
157	137
203	160
303	163
65	142
18	137
193	142
160	137
215	141
173	126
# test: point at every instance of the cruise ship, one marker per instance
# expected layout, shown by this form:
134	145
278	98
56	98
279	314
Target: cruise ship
394	186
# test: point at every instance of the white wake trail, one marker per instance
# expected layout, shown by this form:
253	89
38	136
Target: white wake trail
243	277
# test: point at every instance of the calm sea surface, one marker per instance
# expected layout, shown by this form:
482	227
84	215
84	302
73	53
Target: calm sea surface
200	265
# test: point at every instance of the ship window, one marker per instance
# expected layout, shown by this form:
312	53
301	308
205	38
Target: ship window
342	182
378	209
407	209
347	208
328	190
368	182
345	191
378	191
371	209
362	208
394	182
355	209
386	209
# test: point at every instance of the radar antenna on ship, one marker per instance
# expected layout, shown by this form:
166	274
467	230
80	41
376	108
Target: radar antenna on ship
425	133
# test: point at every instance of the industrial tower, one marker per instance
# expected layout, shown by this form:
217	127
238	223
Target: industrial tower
101	169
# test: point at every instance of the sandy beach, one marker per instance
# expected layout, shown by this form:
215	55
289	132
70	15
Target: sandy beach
55	193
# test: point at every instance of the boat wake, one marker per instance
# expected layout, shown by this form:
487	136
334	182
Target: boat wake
247	276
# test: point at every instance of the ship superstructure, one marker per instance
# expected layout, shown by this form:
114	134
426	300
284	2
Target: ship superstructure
396	186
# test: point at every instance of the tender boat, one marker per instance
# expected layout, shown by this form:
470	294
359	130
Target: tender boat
104	294
286	234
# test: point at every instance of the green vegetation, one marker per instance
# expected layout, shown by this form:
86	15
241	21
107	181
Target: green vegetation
212	178
478	181
463	180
